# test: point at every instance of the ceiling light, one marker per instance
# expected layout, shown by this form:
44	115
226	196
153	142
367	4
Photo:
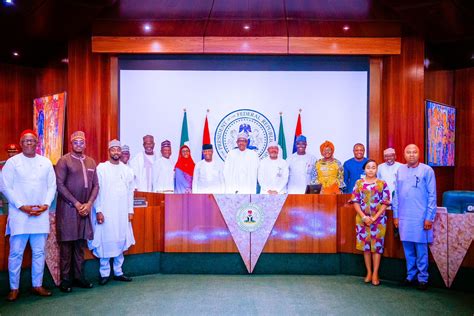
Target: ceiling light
246	27
8	2
147	27
346	27
16	54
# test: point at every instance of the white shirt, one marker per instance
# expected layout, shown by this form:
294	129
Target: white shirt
28	181
388	173
208	177
273	175
240	171
143	182
302	169
115	202
163	175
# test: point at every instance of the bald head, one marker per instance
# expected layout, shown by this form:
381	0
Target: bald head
412	155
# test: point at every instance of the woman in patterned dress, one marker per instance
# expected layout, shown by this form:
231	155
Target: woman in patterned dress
329	171
371	197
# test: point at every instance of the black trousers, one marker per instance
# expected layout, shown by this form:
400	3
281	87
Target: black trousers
71	259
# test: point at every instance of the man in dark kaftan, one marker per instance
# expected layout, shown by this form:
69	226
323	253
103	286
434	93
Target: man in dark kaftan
78	186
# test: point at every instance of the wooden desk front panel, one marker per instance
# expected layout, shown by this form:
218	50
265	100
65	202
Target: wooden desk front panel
194	223
307	224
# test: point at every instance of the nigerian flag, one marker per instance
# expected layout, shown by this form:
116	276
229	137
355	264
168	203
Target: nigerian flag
184	131
281	138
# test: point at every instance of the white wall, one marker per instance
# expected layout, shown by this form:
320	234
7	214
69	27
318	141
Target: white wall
334	105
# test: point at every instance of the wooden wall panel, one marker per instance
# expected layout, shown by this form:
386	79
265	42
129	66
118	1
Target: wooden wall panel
17	91
344	45
464	101
92	106
403	94
375	109
439	87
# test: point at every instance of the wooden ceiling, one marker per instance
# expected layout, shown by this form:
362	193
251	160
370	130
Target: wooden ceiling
39	29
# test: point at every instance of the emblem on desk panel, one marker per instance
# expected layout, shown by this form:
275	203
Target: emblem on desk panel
258	128
250	217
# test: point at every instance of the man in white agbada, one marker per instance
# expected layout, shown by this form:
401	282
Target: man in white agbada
113	233
30	187
163	170
388	170
125	156
302	168
273	172
208	174
241	168
142	165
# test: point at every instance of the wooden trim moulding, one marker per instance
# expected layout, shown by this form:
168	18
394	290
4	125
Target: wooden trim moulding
281	45
246	45
147	45
345	45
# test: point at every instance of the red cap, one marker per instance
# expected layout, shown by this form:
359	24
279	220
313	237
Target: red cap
28	131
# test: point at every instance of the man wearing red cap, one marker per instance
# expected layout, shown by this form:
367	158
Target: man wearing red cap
78	186
30	187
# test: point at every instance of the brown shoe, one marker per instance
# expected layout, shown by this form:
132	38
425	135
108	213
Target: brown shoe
13	295
41	291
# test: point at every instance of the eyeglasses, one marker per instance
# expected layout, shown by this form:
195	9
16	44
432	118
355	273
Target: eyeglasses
26	141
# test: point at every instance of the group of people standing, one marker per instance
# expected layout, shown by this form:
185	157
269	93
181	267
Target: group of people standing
30	183
242	171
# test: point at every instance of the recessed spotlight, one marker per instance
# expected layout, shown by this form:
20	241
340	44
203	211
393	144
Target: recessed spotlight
426	63
147	27
16	54
346	27
246	27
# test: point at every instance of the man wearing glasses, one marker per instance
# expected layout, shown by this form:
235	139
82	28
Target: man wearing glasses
78	187
30	187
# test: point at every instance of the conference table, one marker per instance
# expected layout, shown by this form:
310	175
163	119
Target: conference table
194	223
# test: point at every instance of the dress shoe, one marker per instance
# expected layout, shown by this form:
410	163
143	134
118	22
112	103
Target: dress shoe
82	283
41	291
122	278
65	287
406	282
422	286
13	295
103	280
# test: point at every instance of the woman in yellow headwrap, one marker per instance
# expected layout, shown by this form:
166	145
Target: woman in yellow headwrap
329	170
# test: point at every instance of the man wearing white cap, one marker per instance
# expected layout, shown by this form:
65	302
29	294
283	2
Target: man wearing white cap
125	156
241	168
273	172
142	165
388	170
163	170
113	233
